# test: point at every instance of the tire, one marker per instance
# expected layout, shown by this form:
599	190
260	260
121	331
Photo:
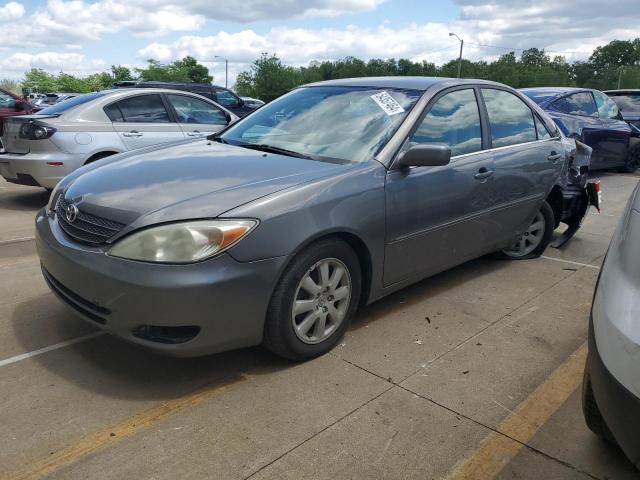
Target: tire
633	160
284	332
591	412
540	230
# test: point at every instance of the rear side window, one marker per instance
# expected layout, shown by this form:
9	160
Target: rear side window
627	102
204	91
143	109
606	107
511	120
580	103
453	119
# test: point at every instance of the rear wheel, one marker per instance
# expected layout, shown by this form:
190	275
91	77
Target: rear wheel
311	307
99	156
536	238
633	160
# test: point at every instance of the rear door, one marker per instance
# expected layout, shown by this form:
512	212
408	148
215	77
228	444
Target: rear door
615	144
437	216
527	161
143	120
196	117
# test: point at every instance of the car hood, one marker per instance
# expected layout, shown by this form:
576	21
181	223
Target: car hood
201	179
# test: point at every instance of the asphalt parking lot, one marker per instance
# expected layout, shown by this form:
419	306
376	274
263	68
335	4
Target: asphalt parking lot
472	374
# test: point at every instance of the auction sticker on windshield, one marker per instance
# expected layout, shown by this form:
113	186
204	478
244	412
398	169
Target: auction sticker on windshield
387	103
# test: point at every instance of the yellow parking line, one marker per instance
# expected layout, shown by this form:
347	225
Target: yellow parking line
498	449
118	432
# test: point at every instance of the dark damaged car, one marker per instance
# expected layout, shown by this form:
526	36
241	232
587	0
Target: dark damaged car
277	229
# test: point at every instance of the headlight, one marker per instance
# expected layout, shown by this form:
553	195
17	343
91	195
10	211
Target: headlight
186	242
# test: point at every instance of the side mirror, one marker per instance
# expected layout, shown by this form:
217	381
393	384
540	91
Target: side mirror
425	155
20	106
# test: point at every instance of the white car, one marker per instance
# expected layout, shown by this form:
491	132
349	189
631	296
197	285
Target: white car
44	147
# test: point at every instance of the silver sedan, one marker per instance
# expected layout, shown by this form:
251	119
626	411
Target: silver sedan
44	147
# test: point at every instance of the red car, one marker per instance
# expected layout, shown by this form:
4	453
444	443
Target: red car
12	105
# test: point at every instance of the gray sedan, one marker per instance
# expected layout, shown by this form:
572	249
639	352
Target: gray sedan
277	229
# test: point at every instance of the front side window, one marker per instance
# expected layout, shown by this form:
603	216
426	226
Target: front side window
333	123
510	119
606	107
193	110
541	128
453	119
580	103
226	98
143	109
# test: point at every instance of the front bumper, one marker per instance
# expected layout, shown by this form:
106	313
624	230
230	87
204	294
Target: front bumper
619	407
33	169
226	299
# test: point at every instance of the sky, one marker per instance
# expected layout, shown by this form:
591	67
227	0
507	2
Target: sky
82	37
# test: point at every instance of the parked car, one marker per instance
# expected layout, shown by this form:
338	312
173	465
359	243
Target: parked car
628	102
222	96
611	387
591	117
49	99
252	102
10	106
43	148
327	198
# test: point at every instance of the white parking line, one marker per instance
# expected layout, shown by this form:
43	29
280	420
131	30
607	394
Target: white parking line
570	262
16	240
56	346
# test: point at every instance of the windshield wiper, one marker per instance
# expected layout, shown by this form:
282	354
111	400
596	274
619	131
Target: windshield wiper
263	147
216	137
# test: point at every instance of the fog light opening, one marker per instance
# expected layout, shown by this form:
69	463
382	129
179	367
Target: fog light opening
170	335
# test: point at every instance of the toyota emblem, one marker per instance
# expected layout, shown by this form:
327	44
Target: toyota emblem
71	213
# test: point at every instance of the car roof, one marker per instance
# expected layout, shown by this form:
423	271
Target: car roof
622	91
186	84
409	83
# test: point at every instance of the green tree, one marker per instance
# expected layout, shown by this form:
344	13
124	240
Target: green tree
268	79
120	73
40	81
186	70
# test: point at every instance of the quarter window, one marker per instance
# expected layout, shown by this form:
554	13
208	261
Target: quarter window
511	120
606	107
453	119
193	110
541	128
143	109
580	103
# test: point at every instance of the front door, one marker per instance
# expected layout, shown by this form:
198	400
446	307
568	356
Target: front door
196	117
142	121
614	143
437	216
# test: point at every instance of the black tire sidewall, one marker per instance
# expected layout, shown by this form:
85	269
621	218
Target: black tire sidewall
549	224
279	336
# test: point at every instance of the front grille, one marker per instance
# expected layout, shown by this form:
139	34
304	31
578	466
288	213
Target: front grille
86	228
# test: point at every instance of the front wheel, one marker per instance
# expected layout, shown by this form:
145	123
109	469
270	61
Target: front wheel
311	307
536	238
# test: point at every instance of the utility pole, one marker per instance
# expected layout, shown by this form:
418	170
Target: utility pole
226	70
451	34
620	76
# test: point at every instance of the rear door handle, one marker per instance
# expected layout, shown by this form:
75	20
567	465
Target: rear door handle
132	133
483	173
554	157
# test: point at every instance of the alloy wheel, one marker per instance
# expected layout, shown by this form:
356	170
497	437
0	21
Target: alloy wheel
321	301
530	240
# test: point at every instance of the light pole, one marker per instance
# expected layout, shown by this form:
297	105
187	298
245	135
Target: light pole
451	34
226	70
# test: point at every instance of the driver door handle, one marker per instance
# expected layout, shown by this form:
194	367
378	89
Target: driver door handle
483	173
554	157
195	133
132	133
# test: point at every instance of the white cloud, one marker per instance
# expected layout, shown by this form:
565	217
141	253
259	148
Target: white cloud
74	63
11	11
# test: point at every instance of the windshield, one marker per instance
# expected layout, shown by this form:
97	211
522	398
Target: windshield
345	123
70	103
629	102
